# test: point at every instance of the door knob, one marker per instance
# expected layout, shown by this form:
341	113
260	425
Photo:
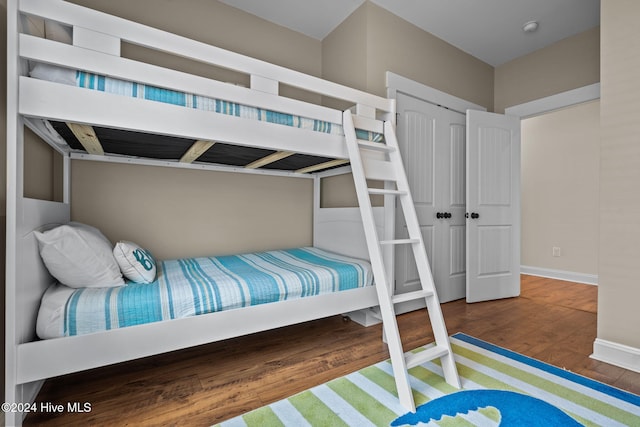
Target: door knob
447	215
475	215
439	215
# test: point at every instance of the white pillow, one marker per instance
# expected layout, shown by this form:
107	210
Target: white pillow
79	256
54	73
135	263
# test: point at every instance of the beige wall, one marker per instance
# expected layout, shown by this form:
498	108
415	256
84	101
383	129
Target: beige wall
344	51
397	46
181	213
619	266
568	64
43	171
560	170
373	41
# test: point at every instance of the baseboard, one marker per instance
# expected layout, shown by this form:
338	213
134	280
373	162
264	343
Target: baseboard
616	354
589	279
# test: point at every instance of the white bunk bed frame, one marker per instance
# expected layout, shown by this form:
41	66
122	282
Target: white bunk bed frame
96	48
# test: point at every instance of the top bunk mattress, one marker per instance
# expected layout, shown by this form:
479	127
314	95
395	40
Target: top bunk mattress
152	93
194	286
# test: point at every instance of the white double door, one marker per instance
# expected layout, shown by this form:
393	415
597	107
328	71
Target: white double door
464	174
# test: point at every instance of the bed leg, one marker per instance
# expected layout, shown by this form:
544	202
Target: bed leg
20	396
366	317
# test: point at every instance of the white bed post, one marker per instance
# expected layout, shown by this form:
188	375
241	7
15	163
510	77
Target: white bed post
13	184
66	179
15	134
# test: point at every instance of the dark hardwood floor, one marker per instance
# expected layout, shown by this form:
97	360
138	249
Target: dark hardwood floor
553	321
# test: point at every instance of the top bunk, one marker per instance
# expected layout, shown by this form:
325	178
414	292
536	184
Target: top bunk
79	93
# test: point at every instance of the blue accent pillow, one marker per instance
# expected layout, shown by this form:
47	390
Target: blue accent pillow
136	264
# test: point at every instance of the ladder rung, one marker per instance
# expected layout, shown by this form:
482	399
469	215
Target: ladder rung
399	242
381	170
410	296
416	359
376	146
386	192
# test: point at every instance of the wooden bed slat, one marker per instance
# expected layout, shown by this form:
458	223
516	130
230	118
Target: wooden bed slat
279	155
196	150
87	137
324	165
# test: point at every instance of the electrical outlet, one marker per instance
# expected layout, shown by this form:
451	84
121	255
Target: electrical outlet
556	251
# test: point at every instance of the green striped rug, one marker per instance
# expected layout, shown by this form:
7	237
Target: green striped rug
500	387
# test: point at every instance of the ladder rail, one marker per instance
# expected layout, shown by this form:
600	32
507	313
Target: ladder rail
422	261
382	288
392	170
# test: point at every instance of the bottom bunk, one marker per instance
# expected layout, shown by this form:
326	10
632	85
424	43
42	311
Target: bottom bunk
83	333
39	360
195	286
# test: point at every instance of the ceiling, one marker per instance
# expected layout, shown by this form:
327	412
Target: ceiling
490	30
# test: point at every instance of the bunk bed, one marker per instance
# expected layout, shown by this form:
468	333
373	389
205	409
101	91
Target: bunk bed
90	103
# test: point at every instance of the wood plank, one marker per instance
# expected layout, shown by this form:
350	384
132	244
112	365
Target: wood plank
196	150
214	382
87	137
278	155
324	165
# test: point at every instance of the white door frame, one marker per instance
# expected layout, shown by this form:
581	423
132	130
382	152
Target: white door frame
555	102
397	83
542	106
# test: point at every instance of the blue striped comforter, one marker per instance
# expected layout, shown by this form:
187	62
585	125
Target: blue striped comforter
189	287
152	93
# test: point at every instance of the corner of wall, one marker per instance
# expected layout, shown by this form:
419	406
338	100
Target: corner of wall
344	51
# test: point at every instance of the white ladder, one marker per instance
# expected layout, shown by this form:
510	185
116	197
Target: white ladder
383	162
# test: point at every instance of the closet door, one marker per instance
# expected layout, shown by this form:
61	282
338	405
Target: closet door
493	204
451	230
432	144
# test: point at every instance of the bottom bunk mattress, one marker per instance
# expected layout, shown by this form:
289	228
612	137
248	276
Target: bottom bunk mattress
194	286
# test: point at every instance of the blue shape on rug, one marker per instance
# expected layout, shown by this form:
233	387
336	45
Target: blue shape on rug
515	409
